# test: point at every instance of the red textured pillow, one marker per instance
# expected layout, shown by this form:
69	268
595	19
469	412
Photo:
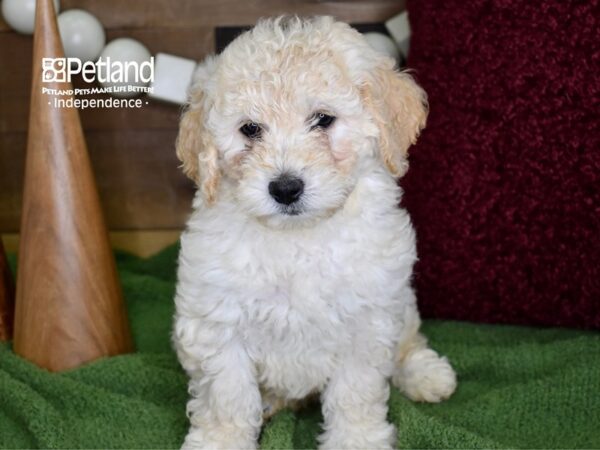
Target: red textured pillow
504	184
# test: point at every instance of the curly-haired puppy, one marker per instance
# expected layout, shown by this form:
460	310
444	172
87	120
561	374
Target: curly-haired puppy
295	268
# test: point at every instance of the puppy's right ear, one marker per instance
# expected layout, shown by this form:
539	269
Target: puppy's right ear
195	146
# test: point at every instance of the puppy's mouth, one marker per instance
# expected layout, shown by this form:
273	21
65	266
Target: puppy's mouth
295	215
291	210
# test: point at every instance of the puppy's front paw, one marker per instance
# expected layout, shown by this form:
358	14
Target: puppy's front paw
216	439
424	376
360	436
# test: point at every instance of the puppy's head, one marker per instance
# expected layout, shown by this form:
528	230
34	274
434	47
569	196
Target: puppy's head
292	114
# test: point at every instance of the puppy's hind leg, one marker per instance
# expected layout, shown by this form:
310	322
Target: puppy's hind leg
420	373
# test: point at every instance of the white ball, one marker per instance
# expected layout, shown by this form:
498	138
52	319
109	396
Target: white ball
82	35
20	14
125	50
382	44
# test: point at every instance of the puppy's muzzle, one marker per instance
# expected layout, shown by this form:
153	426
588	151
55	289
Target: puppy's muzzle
286	189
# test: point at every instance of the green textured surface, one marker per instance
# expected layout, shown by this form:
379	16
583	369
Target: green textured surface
518	387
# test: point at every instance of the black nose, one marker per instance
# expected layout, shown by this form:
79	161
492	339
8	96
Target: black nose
286	189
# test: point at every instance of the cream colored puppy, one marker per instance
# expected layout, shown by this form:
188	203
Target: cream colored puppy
295	268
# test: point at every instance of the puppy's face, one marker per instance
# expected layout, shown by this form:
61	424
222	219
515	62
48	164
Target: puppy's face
289	116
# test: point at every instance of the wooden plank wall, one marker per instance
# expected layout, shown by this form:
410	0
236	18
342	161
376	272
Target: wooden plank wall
132	150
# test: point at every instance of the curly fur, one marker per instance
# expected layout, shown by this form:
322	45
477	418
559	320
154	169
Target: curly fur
273	307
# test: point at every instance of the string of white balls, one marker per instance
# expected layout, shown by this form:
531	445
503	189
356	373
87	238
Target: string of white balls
83	37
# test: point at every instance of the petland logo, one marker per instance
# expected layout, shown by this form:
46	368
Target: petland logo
116	74
118	78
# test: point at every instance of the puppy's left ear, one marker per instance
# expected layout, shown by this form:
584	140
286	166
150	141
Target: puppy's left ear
399	107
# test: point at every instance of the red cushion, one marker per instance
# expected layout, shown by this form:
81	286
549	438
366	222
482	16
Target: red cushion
504	183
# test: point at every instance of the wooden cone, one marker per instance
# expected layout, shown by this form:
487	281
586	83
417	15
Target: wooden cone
7	297
69	306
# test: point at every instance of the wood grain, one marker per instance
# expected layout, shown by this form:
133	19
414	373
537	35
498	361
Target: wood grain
132	150
7	297
142	243
69	305
137	173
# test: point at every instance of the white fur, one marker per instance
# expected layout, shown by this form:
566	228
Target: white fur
291	305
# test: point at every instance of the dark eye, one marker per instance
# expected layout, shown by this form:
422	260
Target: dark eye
251	130
323	121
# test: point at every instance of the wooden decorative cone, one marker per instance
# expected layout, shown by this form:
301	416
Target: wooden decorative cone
7	298
69	306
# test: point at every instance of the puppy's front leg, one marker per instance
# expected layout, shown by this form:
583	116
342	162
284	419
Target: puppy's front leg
225	409
355	410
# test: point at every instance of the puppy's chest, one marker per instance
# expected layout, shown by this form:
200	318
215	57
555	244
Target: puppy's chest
298	289
299	316
309	293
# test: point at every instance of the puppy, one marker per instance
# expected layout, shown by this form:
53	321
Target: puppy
295	267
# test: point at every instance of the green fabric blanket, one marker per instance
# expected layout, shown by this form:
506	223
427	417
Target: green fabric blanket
518	387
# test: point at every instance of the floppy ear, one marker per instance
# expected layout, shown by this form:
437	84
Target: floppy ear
399	108
194	146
